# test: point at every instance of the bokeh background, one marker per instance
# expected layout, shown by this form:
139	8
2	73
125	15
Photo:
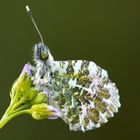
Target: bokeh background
106	32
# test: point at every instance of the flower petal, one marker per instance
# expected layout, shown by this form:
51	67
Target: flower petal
46	91
26	69
54	113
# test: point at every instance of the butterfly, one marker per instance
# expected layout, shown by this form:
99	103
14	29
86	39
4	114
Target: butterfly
80	89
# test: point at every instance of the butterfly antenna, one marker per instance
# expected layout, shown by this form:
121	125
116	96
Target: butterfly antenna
35	25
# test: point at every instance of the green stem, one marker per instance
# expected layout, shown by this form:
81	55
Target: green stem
5	119
22	107
12	112
11	104
18	103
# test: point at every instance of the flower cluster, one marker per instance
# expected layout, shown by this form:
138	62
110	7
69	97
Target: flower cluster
27	99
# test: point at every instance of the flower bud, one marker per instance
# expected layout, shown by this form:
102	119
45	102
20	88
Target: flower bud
32	93
40	98
43	111
23	84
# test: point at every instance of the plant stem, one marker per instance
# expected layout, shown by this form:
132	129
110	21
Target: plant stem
7	118
12	112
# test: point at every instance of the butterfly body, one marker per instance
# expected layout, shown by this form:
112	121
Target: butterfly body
80	89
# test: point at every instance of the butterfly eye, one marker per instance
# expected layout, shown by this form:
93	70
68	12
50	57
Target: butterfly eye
44	56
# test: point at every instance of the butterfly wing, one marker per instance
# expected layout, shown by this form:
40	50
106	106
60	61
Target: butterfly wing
83	93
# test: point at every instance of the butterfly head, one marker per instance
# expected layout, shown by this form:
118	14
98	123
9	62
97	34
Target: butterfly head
42	53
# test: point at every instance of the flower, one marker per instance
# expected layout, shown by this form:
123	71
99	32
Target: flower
43	111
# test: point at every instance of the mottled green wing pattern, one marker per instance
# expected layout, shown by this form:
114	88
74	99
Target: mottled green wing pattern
83	93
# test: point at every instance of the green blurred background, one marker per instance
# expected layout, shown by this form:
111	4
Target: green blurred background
106	32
